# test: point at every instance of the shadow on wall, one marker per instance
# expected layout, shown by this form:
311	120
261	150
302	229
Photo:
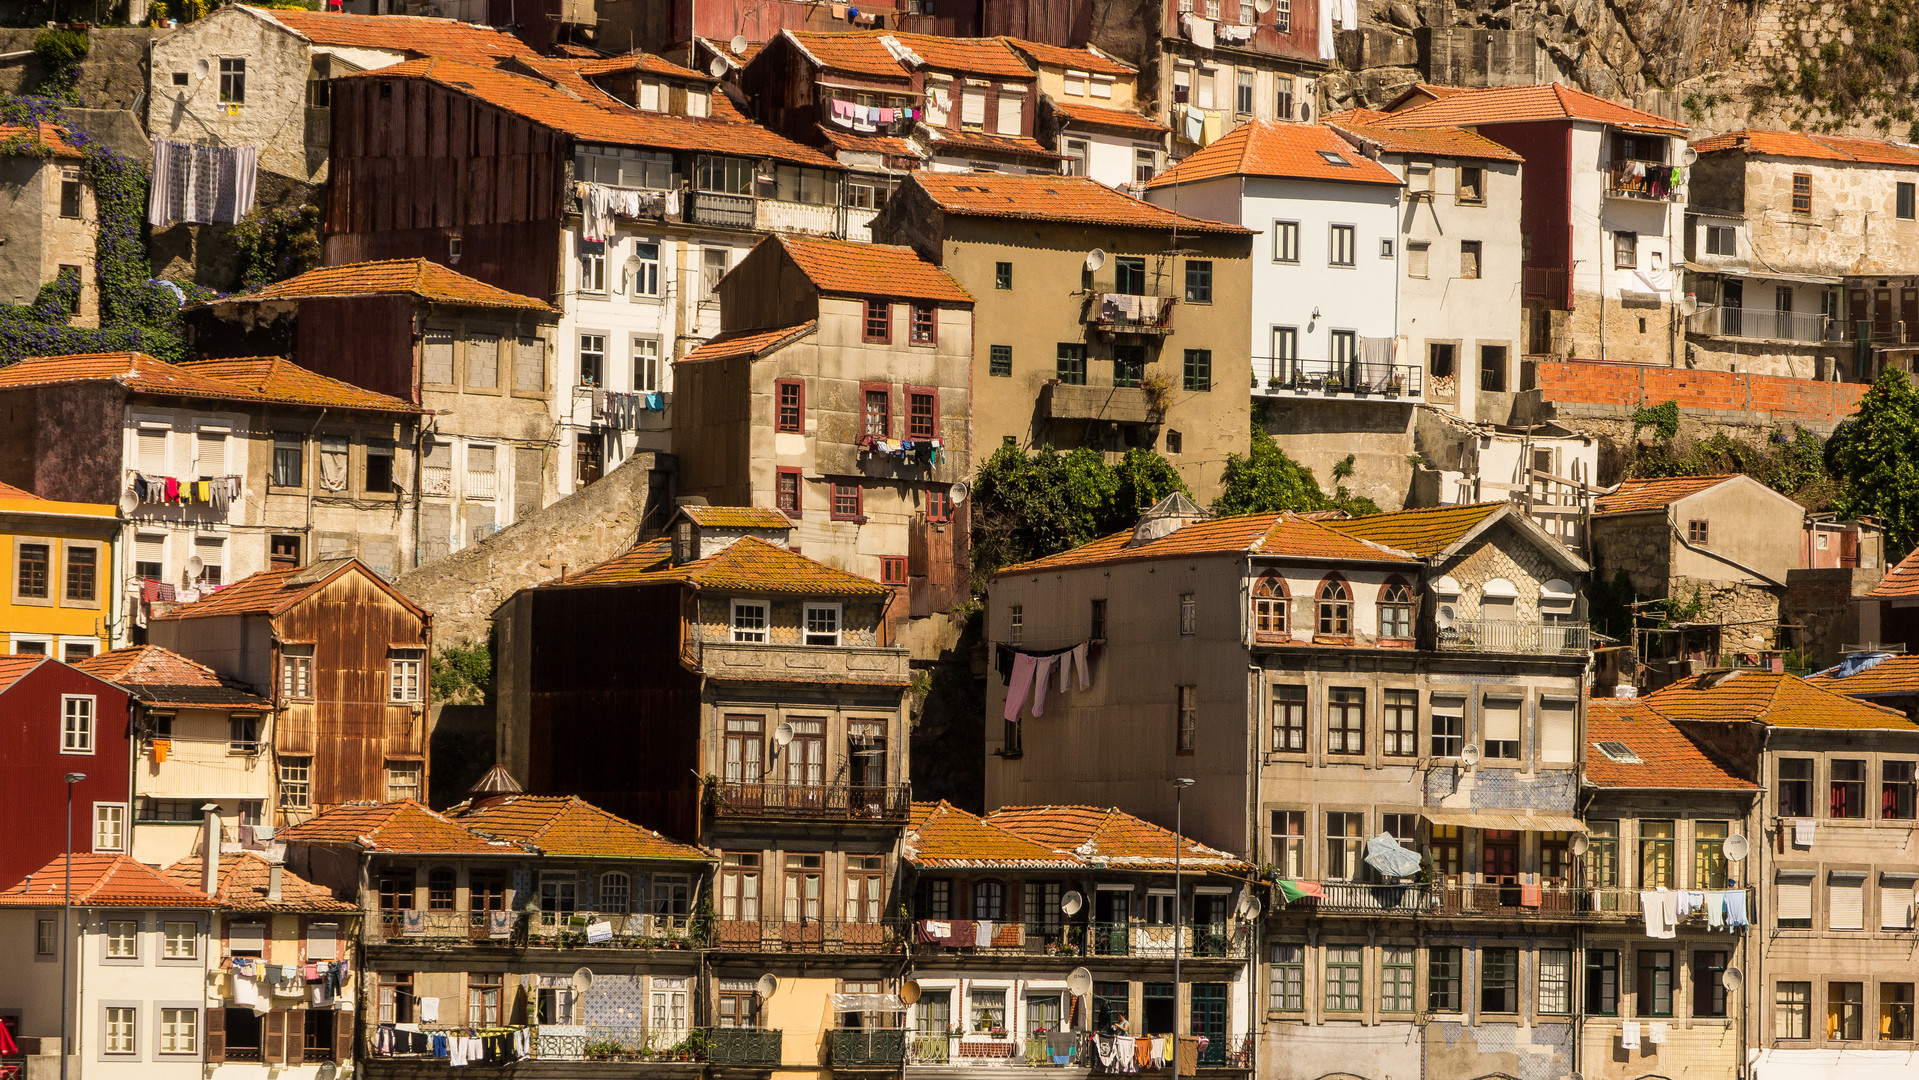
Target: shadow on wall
1379	436
950	728
460	751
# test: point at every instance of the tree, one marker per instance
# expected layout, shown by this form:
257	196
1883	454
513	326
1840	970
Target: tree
1875	455
1266	481
1030	506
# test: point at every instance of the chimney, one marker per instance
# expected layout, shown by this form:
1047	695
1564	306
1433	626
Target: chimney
273	882
210	849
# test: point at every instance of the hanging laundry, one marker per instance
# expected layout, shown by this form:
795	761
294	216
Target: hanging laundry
429	1010
1021	684
1629	1035
202	184
1042	673
1736	908
1326	50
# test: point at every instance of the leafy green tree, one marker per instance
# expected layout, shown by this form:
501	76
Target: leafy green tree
1875	455
1142	478
1028	506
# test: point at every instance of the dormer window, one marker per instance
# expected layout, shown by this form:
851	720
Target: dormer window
1498	600
822	624
1335	608
683	542
749	622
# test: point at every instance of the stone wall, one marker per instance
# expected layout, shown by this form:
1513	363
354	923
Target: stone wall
112	76
1744	610
1819	603
1642	548
1318	434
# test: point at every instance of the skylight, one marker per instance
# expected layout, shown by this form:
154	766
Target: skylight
1619	752
1334	159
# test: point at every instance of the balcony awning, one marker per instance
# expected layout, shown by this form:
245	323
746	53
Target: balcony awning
1763	275
1516	820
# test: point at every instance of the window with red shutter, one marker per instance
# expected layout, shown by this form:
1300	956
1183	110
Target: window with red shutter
879	321
846	501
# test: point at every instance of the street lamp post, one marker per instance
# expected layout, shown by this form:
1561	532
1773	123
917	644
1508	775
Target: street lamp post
66	933
1180	784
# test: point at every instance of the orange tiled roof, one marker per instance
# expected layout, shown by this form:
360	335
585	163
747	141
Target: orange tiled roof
979	140
1887	676
1353	116
402	33
1667	758
737	517
271	592
241	884
852	53
1773	700
1807	146
286	382
48	136
1087	59
1443	142
1268	148
733	343
640	558
403	827
1077	200
645	64
412	277
1900	582
267	380
1282	535
1101	116
618	125
941	834
1654	493
862	53
160	676
103	881
568	825
842	267
891	145
1109	837
13	667
1422	532
1522	104
8	491
748	565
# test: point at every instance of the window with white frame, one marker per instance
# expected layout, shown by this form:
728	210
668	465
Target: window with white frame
669	1006
559	898
1103	86
646	363
179	1031
122	939
76	724
296	783
296	671
822	624
592	355
403	672
403	780
749	622
1145	164
109	826
592	266
118	1034
644	269
46	937
180	940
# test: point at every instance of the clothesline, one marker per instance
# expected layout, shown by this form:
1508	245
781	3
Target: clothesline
316	982
214	491
1031	673
481	1046
203	184
600	203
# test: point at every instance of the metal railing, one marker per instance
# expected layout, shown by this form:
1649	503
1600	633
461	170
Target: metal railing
861	1048
1514	636
1758	323
1336	378
1055	1050
601	1042
1226	1053
555	930
1500	900
776	935
1127	313
742	1046
1133	937
1652	181
826	801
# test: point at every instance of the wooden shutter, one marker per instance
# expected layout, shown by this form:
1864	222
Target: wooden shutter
216	1024
296	1037
1847	902
1795	899
343	1028
323	941
273	1037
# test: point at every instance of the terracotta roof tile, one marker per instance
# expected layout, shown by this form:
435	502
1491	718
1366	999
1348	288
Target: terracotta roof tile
1280	535
241	884
1353	116
103	881
852	53
1267	148
1808	146
266	380
1423	532
271	592
941	834
48	136
1773	700
423	278
1442	142
1074	200
748	565
862	53
13	667
617	125
1087	59
746	342
645	64
1522	104
980	141
8	491
890	145
1900	582
845	268
403	827
285	382
1884	676
641	557
1109	837
737	517
160	676
1636	496
568	825
1667	758
1100	116
402	33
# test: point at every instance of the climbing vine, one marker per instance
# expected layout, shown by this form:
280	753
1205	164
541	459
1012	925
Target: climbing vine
276	244
60	50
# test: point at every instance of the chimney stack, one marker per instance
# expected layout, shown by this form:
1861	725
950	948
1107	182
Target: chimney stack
210	849
273	882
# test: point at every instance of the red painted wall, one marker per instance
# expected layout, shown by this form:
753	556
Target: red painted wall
1545	209
33	793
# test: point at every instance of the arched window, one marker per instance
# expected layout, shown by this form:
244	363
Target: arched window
439	889
989	900
1335	608
1269	606
1395	610
616	893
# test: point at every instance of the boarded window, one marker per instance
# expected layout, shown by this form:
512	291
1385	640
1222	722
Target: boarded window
436	358
527	481
1012	105
529	366
483	362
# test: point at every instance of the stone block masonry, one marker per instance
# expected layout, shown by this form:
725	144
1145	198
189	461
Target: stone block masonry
1593	389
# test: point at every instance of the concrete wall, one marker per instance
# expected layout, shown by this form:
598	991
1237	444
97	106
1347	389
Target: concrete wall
1319	434
1745	521
39	241
1601	326
1853	227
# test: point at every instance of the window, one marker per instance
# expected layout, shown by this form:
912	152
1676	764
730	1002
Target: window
790	410
1286	241
1492	368
1555	982
1722	240
1199	370
149	556
1145	164
1898	784
1654	983
1709	854
46	937
1448	728
1472	184
1344	245
1848	799
1345	720
592	359
1000	366
1243	90
396	998
1016	623
616	893
939	504
1399	731
922	415
1469	255
1071	367
1792	1010
1289	840
672	897
109	826
483	998
846	501
749	622
786	491
1199	281
1269	607
925	324
233	81
403	673
1075	152
645	270
1602	982
1793	900
317	1036
645	351
296	783
877	415
117	1036
1697	532
822	624
1345	968
1419	258
1904	202
1802	193
1188	615
1846	901
1625	250
1845	1011
296	672
1289	719
70	193
1396	611
76	724
34	562
1708	983
1444	972
879	322
379	469
1286	988
289	461
1795	787
1396	978
592	267
723	175
713	267
1335	608
1129	276
1656	855
1188	736
1345	845
403	780
1895	1012
1499	980
122	939
1002	275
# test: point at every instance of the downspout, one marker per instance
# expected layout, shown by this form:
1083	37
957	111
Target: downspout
312	480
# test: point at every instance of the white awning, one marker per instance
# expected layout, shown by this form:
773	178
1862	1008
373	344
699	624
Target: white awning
1516	820
1834	1065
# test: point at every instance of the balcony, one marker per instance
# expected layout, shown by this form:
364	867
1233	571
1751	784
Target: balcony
712	208
511	929
436	480
753	1047
855	1048
1127	313
780	215
1132	938
1515	636
812	802
1342	380
1650	181
560	1042
806	664
1060	1050
1759	325
1223	1052
813	936
1121	404
1471	900
481	485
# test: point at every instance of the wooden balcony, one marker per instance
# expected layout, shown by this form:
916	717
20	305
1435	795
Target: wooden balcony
817	936
878	804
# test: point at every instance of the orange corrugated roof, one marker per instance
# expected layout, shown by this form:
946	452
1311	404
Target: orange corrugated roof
1522	104
746	342
289	384
748	565
1805	145
242	882
47	136
418	35
1282	535
403	827
1667	758
1422	532
618	125
286	382
1780	700
411	277
737	517
941	834
271	592
1077	200
1654	493
1086	59
1442	142
1104	117
1109	837
569	825
8	491
13	667
1282	151
1889	676
842	267
1900	582
103	881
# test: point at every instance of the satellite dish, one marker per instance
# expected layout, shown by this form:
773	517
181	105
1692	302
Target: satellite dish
1469	755
1444	616
1688	156
1250	909
957	493
1581	845
1095	259
1072	902
129	502
738	44
1079	981
1736	848
718	67
1262	6
1732	978
910	991
769	985
201	69
328	1071
781	736
195	566
582	980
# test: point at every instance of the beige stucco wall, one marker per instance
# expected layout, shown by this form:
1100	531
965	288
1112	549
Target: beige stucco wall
38	241
1746	521
274	114
1854	227
200	767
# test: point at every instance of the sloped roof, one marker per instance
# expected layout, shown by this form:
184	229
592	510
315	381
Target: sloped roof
160	676
1804	145
1422	532
13	667
1522	104
1076	200
1109	837
1761	697
285	382
1440	142
8	491
403	827
1283	535
1654	493
845	268
569	825
645	64
418	35
48	136
736	517
1017	145
1087	59
1100	116
1900	582
642	557
732	343
103	881
891	145
853	54
1884	676
241	884
942	835
1268	148
862	53
271	592
747	565
268	380
423	278
1667	758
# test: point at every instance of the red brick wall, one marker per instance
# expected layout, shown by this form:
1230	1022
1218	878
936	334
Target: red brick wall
1629	386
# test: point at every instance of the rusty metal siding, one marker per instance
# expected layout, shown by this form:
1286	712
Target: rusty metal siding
364	340
64	442
1051	22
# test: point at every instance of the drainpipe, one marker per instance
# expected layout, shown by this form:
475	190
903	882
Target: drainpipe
210	849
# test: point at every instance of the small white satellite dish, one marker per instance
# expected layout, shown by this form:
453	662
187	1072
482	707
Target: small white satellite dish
582	980
1469	755
959	492
783	734
1072	902
195	565
768	985
129	502
1095	259
1688	156
201	69
718	67
738	45
1581	845
1262	6
910	991
1444	616
328	1071
1732	978
1250	907
1079	981
1736	848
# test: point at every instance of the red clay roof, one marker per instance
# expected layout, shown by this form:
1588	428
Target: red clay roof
242	882
1667	758
1654	493
1422	532
1282	535
645	64
1109	837
853	54
1773	700
8	491
411	277
271	592
1017	145
1900	582
640	558
1088	59
1523	104
891	145
1076	200
1440	142
862	53
267	380
1807	146
403	827
163	677
733	343
737	517
1268	148
13	667
568	825
1100	116
103	881
844	268
49	137
286	382
1886	676
402	33
941	834
619	125
747	565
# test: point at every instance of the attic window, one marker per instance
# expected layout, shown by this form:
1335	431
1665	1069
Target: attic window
1619	752
386	89
1332	158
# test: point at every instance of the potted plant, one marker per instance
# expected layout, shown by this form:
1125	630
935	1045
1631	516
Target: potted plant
1395	385
602	1049
1275	383
1333	384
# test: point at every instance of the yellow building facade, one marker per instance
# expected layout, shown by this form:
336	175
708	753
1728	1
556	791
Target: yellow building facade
59	599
